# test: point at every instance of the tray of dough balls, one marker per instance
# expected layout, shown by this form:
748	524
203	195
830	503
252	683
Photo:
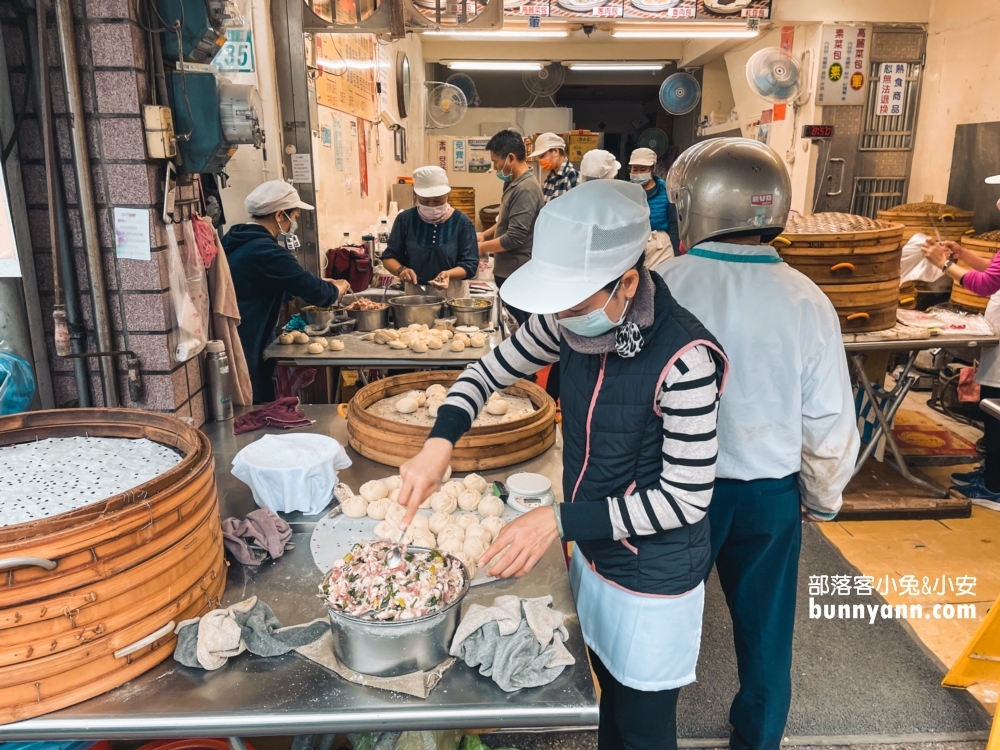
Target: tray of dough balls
422	338
462	518
420	408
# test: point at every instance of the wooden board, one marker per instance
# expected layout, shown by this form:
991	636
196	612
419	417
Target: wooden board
880	493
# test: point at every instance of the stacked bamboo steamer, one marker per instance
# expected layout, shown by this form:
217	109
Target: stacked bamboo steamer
985	246
488	216
951	222
126	569
464	199
854	260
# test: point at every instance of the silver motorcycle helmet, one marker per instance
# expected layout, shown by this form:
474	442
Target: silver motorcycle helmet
728	186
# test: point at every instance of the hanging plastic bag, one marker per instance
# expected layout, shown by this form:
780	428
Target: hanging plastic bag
17	381
188	294
913	266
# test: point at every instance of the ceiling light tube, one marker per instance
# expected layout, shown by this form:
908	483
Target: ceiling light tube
617	67
508	34
494	66
735	33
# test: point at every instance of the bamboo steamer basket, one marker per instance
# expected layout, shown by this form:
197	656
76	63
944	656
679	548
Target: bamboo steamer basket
854	260
908	295
951	222
464	199
489	215
126	569
483	447
985	246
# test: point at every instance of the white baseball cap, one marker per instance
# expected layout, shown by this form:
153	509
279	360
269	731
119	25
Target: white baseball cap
599	165
546	142
430	182
273	196
643	157
588	238
994	180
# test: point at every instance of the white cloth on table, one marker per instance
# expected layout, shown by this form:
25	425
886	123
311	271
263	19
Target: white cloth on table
646	642
988	372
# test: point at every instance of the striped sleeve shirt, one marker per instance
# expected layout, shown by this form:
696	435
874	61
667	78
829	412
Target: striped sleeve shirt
561	181
688	401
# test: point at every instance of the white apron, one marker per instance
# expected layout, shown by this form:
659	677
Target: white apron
659	249
647	642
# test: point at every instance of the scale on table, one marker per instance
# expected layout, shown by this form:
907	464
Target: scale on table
525	491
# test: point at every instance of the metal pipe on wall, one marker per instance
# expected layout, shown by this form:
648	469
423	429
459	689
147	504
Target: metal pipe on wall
67	295
85	187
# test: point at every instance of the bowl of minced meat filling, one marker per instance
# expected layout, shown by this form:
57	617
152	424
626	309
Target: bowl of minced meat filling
389	621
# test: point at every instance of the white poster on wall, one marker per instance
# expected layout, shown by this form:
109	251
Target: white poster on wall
9	265
891	88
132	233
843	64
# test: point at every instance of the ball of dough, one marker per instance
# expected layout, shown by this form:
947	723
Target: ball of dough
432	408
447	335
421	521
407	337
370	336
426	504
433	343
373	490
497	407
492	524
336	345
286	338
417	396
438	521
301	337
477	341
394	494
454	488
457	346
469	563
413	327
463	338
443	503
474	547
319	340
382	337
466	520
450	546
393	483
407	405
452	531
395	513
436	390
491	506
469	500
419	347
479	532
397	345
447	474
355	507
378	508
392	333
425	539
386	530
475	482
316	348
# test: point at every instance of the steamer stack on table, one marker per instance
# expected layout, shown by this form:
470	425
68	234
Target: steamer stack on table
934	220
854	260
986	246
464	199
126	569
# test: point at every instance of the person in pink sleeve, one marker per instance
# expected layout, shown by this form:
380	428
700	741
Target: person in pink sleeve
982	276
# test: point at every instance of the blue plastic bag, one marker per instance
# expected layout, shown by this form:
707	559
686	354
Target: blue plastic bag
17	382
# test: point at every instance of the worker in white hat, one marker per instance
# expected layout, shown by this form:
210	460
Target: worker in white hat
560	174
599	164
663	241
433	245
641	383
265	272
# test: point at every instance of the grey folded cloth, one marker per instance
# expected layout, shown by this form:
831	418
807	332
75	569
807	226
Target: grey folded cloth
519	643
263	527
209	642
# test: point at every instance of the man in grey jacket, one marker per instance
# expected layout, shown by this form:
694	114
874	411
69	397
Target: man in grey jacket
510	240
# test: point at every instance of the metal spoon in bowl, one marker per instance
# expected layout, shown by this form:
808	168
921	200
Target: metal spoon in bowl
395	557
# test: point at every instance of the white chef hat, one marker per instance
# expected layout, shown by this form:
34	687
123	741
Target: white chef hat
273	196
599	165
643	157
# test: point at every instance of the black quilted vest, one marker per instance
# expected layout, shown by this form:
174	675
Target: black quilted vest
622	448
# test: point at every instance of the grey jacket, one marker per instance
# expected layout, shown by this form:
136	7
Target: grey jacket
522	200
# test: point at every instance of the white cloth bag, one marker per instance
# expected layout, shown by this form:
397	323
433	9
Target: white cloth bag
289	473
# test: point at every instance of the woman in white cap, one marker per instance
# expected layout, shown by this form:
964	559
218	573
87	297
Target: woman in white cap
641	384
265	272
663	241
561	176
599	165
432	244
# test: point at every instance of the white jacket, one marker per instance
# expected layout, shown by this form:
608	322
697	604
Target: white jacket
788	405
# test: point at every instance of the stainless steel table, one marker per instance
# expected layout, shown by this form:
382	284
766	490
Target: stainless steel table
285	695
894	398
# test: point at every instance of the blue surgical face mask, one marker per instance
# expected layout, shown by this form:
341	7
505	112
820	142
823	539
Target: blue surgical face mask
641	179
596	322
505	177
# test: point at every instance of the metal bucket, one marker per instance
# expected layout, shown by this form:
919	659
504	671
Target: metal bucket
467	313
370	320
416	308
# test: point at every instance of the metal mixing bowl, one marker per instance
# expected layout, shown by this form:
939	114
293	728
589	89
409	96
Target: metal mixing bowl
370	320
467	313
423	309
320	317
390	648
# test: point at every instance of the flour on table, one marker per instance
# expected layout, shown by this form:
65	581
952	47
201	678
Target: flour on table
56	475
